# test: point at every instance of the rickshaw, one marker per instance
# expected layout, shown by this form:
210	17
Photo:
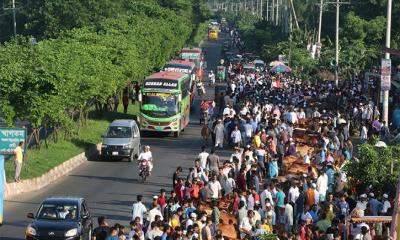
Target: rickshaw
221	70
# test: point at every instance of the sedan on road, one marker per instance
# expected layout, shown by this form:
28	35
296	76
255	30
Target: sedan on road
60	218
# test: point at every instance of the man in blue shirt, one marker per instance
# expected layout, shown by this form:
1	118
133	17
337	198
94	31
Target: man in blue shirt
331	177
375	204
314	213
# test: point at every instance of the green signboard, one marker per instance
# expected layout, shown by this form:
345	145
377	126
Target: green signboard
10	138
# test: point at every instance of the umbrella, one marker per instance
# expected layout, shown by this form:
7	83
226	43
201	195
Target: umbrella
275	63
381	144
281	68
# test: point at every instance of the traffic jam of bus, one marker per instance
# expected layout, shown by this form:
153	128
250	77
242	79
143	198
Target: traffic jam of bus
166	97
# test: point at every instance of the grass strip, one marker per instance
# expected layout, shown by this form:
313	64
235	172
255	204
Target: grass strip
39	161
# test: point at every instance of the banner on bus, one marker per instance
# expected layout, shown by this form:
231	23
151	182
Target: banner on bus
161	83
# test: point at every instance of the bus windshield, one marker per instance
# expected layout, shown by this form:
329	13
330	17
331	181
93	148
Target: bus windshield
160	104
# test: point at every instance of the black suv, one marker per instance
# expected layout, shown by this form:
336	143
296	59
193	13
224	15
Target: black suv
60	218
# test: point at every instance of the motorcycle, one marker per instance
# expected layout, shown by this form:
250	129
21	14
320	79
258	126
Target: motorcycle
144	170
200	88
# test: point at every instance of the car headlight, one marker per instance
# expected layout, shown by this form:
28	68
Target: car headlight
71	233
30	231
126	146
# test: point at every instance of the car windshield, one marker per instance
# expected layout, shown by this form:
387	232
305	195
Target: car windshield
58	212
119	132
160	104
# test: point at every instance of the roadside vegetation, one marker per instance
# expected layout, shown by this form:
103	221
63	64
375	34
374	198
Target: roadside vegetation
72	57
362	34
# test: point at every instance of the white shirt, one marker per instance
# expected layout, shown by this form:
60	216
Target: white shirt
138	210
227	111
322	184
289	214
293	194
362	205
386	206
301	115
264	195
229	185
153	213
248	129
245	224
215	187
145	156
203	159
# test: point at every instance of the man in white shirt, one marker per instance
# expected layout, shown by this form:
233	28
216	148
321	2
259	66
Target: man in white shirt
293	193
238	154
227	111
155	230
264	195
203	157
154	212
139	209
322	186
248	130
386	204
215	187
289	217
245	225
362	203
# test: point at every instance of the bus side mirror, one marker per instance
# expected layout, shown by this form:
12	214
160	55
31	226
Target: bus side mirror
140	97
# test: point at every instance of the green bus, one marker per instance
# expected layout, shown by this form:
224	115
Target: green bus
165	102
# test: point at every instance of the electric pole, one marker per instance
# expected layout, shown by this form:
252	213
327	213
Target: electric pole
337	44
387	56
319	45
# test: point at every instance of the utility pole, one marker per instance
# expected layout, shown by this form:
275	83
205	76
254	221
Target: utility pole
319	45
261	9
273	11
14	18
294	13
268	10
277	13
387	56
337	44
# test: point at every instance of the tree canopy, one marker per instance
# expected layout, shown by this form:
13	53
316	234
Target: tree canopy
87	53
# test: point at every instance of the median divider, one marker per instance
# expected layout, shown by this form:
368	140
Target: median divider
30	185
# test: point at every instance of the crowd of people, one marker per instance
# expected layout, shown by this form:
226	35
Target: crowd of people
257	120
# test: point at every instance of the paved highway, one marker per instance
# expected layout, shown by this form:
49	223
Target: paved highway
111	187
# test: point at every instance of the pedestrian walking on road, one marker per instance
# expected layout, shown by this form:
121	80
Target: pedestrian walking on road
139	209
18	152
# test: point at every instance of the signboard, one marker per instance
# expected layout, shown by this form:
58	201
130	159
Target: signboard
190	55
10	138
2	183
176	69
161	83
386	71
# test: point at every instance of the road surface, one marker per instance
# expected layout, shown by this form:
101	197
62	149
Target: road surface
111	187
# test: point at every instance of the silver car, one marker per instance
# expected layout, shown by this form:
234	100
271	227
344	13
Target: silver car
122	140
